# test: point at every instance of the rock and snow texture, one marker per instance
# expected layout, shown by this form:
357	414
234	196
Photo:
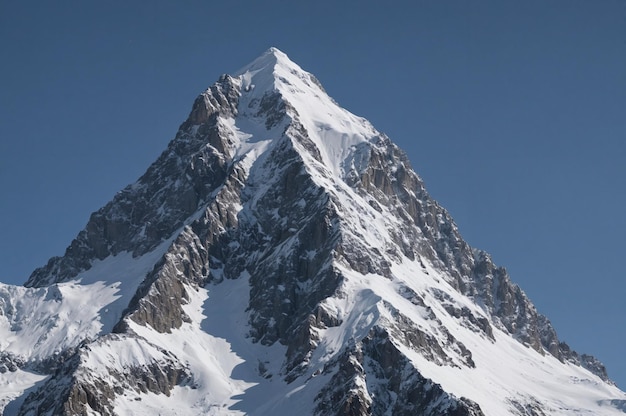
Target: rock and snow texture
281	257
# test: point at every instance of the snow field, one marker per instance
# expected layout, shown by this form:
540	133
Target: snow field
231	375
225	363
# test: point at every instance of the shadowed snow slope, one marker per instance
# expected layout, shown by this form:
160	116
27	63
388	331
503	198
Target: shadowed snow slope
282	257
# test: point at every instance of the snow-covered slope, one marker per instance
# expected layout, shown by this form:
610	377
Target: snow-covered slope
281	257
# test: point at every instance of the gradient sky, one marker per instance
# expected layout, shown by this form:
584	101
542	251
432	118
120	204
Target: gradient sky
513	112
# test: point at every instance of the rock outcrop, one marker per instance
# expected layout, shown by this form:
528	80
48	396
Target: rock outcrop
281	256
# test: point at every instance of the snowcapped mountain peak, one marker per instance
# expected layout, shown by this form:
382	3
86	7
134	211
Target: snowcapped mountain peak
282	257
334	132
270	69
267	61
274	98
260	73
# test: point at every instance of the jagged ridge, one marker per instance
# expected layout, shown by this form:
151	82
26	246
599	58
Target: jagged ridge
348	263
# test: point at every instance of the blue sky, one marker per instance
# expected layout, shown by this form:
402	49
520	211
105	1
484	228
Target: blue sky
512	112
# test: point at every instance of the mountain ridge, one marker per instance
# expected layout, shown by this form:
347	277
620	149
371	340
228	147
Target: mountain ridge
270	183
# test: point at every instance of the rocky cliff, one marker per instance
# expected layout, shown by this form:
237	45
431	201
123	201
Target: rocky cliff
281	256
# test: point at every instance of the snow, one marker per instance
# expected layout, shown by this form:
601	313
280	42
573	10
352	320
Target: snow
230	374
336	132
39	322
505	370
13	385
224	362
247	139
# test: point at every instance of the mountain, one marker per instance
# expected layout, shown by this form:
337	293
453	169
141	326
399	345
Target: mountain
282	257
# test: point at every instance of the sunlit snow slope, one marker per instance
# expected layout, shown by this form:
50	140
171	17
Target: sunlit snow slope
281	257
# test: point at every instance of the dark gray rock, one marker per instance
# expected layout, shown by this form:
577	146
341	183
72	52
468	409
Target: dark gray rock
373	377
75	390
146	213
288	239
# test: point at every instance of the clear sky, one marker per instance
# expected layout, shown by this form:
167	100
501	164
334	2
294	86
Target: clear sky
513	112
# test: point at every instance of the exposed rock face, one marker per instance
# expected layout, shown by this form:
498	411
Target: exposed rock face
391	181
147	212
84	385
375	378
339	281
10	362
